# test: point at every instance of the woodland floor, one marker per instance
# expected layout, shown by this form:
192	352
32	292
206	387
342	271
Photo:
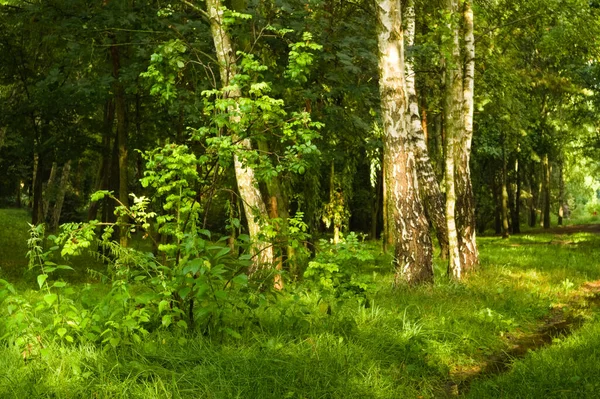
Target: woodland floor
527	325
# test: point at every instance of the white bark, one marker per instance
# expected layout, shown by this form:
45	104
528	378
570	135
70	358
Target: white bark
413	244
429	186
453	122
466	205
254	206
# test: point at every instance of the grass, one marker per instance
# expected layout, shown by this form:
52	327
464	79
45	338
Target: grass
408	343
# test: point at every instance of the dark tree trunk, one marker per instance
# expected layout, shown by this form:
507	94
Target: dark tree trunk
38	205
122	133
104	172
534	189
546	191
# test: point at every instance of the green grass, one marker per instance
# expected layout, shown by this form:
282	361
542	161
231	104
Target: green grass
568	369
408	343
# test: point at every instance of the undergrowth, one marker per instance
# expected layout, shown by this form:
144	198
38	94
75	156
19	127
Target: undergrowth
342	332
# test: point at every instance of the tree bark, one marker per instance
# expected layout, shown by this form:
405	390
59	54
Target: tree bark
103	177
546	190
50	190
254	206
534	196
453	118
413	253
465	203
38	206
60	195
505	227
278	209
516	219
429	186
561	193
122	136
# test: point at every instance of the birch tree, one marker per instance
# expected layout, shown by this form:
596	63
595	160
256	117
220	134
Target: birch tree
458	104
254	206
433	198
453	123
465	211
413	253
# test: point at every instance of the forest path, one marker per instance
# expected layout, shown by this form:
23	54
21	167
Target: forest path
563	320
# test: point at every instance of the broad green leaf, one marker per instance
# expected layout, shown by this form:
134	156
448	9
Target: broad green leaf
183	292
162	306
50	298
41	279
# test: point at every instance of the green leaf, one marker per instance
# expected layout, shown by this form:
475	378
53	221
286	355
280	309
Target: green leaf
182	324
184	292
166	320
240	279
61	332
64	267
223	252
41	279
59	284
50	298
162	306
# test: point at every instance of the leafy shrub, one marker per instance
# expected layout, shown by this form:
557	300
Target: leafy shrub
335	271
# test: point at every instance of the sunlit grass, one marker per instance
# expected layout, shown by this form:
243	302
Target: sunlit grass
405	343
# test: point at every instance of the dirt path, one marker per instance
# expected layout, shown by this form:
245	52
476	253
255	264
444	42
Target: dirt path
563	320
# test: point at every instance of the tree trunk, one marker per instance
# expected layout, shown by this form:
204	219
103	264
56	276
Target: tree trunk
413	253
546	191
465	203
49	192
103	177
60	195
505	226
561	193
375	208
534	196
254	206
38	206
122	133
516	219
453	120
278	209
430	188
498	203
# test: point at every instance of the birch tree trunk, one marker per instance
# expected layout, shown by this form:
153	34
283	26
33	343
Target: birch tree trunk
433	198
254	206
453	120
465	203
413	253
